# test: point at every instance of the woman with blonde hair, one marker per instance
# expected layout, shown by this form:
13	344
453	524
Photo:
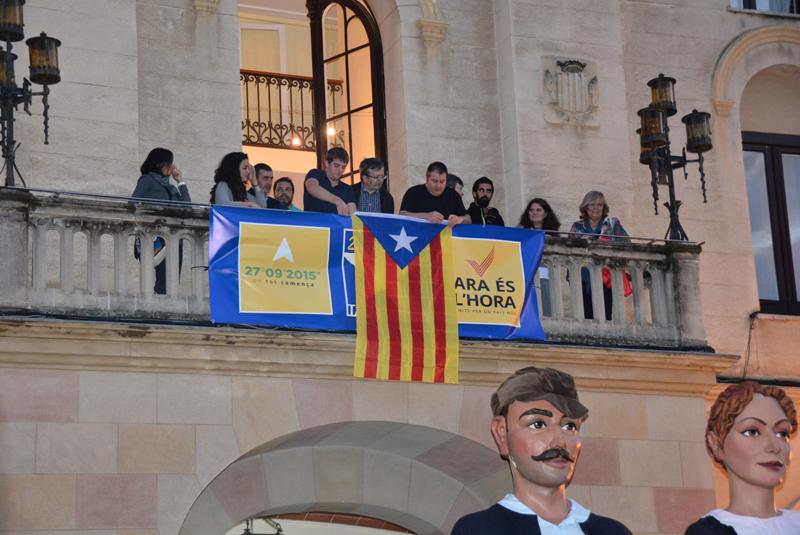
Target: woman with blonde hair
748	436
596	224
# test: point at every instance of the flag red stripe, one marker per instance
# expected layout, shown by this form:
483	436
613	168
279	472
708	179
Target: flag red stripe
393	319
439	311
417	327
368	261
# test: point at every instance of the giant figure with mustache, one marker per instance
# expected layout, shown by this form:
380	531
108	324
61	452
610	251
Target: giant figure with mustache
536	426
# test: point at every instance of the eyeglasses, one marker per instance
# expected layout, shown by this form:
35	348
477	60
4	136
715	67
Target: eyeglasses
377	177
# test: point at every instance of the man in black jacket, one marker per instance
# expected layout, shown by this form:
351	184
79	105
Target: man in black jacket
536	424
370	194
479	211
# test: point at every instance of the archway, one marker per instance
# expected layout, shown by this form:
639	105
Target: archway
420	478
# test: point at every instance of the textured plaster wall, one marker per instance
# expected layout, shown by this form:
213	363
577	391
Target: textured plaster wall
94	114
562	162
189	96
135	75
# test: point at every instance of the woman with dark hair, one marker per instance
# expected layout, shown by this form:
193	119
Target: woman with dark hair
748	433
538	215
154	183
596	224
232	179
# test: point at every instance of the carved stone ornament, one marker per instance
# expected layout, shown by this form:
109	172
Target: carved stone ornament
570	91
433	31
207	7
433	28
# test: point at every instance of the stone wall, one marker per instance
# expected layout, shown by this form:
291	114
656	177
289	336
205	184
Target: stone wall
114	427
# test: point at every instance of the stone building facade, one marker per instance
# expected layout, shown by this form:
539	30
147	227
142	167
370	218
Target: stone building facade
174	422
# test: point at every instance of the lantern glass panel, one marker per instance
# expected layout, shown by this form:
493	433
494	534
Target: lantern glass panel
698	131
652	130
44	59
11	21
662	94
4	73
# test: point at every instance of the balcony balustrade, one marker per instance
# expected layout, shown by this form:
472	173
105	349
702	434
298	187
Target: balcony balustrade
71	256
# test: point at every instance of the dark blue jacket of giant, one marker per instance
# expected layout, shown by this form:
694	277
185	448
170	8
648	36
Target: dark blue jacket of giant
497	520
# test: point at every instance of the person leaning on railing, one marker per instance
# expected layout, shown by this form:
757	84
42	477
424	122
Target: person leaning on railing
154	184
596	224
538	215
232	179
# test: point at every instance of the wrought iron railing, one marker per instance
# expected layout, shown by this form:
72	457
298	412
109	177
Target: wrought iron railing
74	256
278	109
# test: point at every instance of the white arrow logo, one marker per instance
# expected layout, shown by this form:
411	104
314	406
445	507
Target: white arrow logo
284	251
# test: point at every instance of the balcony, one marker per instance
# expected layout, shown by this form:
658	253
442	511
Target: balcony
71	255
278	110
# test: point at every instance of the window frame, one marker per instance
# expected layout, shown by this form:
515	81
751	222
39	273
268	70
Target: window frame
316	10
774	146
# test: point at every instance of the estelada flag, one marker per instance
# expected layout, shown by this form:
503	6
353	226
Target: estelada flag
406	318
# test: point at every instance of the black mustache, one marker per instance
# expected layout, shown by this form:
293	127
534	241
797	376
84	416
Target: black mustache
553	453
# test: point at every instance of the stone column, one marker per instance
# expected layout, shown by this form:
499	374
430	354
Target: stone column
686	267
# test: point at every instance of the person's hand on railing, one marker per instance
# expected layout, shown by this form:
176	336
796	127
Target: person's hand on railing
434	217
342	208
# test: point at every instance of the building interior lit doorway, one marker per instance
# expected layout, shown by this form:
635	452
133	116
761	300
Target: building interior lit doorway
311	78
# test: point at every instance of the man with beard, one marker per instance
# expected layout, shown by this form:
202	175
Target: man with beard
479	211
536	425
284	193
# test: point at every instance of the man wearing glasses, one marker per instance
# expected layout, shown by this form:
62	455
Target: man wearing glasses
370	194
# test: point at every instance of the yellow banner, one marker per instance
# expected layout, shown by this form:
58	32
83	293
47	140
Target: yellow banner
283	269
489	281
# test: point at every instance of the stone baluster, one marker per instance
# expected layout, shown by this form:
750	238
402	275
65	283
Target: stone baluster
121	261
146	272
196	268
67	262
40	226
93	252
537	288
598	298
575	290
173	241
617	295
557	287
637	283
658	295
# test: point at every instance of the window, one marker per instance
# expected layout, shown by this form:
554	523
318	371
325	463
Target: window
772	171
772	6
353	116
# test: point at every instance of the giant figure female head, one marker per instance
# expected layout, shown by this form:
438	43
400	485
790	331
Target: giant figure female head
748	435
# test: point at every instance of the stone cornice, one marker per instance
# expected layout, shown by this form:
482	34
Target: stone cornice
228	351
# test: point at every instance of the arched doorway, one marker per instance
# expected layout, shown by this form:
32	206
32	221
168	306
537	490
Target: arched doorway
420	478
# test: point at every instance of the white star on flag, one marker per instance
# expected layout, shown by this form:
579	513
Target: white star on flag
283	251
403	240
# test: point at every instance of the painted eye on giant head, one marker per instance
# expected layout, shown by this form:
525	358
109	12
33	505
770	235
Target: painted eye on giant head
537	424
571	427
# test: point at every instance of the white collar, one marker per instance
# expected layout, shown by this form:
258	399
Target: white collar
577	513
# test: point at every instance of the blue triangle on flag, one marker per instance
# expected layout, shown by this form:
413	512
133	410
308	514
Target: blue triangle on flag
403	238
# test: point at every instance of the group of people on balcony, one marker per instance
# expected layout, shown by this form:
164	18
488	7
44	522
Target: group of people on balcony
439	200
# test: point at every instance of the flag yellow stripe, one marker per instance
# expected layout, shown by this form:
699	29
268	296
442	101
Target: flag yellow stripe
426	290
404	315
361	306
380	312
451	313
